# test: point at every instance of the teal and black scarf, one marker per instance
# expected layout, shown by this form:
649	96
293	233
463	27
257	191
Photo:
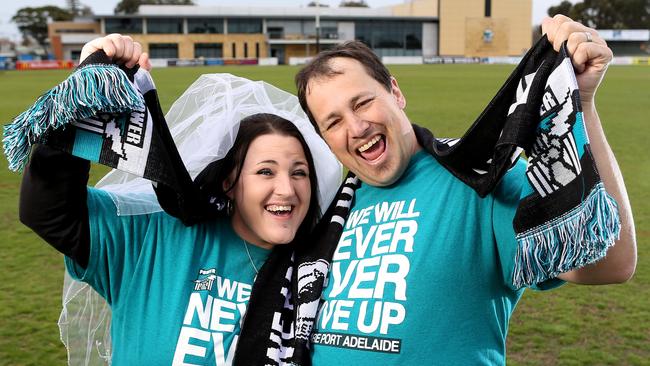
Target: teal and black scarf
104	114
565	219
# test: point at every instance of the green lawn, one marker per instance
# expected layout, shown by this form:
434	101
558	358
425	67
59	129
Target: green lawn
574	325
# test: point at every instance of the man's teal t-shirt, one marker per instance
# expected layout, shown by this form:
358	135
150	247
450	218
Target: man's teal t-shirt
178	294
422	273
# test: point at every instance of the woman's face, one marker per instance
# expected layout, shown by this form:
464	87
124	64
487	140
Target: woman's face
272	195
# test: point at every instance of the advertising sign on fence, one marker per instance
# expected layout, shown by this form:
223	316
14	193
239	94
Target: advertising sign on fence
44	65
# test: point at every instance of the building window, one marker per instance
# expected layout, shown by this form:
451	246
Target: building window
257	49
245	50
329	32
163	50
123	25
208	50
205	25
275	32
413	42
234	50
284	29
328	29
89	30
165	26
390	37
244	25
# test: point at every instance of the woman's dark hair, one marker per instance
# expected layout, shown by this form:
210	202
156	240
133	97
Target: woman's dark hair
253	127
206	199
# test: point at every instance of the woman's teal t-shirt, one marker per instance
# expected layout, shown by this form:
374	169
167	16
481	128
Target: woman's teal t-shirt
178	294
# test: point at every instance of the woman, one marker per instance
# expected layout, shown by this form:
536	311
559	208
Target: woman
178	294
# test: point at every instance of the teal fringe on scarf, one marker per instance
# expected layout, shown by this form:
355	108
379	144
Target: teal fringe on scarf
89	90
573	240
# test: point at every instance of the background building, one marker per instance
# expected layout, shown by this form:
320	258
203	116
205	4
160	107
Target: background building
67	38
420	28
627	42
485	27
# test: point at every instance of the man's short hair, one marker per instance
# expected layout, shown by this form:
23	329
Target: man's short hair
319	66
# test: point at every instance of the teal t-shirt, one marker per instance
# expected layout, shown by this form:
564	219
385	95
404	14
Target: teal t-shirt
177	294
422	273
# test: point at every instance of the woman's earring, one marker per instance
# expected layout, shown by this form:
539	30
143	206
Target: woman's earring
229	207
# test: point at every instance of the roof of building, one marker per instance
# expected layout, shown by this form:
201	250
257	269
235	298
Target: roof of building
625	34
266	12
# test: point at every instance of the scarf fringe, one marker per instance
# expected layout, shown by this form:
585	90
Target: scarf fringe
575	239
89	90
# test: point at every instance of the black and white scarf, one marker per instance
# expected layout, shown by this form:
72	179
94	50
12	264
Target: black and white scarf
564	220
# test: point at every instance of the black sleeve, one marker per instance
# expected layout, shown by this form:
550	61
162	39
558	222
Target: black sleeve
53	201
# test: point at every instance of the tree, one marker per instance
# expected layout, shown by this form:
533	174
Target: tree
32	22
76	8
131	6
353	4
607	14
563	8
313	4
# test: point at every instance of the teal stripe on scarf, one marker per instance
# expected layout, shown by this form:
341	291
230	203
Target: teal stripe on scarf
87	145
580	134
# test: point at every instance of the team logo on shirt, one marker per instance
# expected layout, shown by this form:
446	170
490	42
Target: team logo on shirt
211	322
205	279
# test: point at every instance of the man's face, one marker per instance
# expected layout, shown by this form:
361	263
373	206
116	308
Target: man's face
362	122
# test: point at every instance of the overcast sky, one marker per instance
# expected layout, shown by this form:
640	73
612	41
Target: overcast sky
9	8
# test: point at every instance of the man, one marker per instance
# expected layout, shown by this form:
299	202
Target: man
422	271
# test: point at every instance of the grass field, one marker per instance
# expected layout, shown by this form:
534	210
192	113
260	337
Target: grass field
574	325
